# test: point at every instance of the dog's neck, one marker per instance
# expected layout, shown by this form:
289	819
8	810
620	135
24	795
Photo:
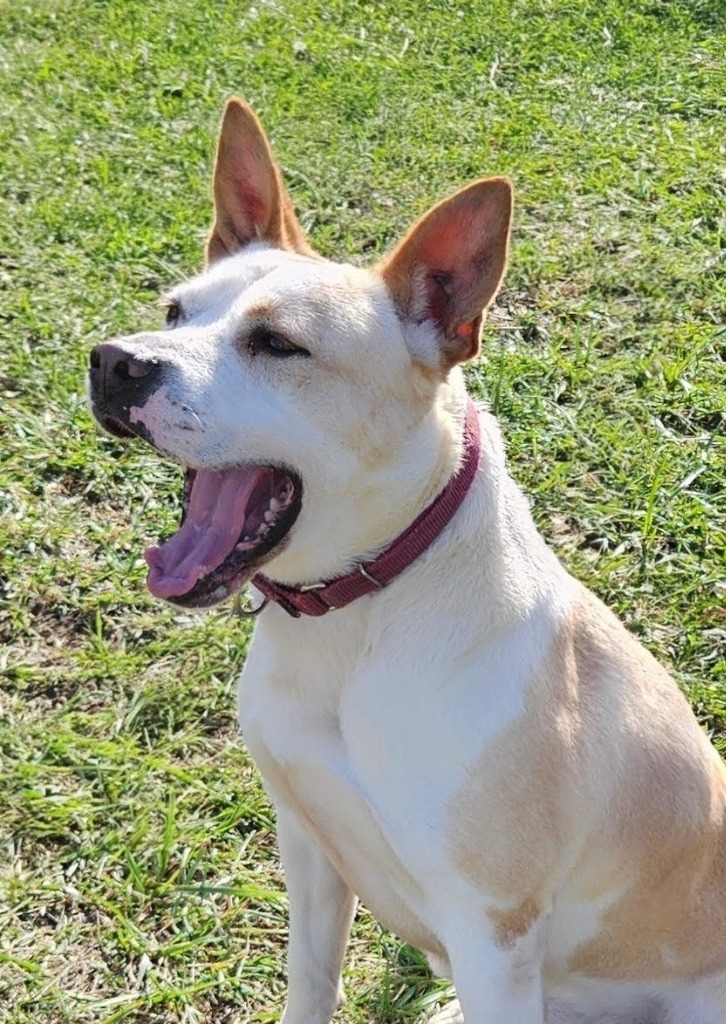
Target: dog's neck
366	522
369	577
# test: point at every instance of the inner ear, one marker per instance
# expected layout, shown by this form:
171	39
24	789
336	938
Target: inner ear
250	201
449	266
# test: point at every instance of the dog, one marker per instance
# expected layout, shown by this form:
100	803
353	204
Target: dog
450	726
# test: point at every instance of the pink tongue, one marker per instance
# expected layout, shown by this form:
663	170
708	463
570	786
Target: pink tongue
214	523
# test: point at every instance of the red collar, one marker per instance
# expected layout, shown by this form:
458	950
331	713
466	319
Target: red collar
319	598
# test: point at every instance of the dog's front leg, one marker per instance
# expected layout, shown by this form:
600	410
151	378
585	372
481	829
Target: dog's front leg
321	910
498	983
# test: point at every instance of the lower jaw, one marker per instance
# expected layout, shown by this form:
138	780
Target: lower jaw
208	592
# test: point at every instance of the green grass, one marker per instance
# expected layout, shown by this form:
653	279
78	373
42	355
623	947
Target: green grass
138	874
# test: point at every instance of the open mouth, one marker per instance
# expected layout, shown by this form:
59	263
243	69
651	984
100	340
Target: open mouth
233	521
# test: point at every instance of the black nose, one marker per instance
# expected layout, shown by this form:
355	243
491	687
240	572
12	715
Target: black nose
117	374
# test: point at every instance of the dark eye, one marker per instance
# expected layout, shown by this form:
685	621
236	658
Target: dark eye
265	342
173	312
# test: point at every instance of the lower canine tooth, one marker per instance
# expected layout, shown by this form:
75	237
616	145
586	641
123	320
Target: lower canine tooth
275	505
270	517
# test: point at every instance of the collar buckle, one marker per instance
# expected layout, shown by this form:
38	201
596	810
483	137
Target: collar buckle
367	576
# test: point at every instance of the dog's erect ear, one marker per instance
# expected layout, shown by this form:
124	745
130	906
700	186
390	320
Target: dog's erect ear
449	266
250	202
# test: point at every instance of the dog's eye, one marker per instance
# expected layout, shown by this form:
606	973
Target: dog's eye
265	342
173	313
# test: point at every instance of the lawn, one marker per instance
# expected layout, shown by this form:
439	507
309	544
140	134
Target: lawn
138	875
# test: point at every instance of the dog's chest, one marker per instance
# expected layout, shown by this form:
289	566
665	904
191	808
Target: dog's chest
331	755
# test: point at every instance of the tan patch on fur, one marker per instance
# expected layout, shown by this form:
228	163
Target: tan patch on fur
510	820
605	787
510	925
670	923
263	309
665	841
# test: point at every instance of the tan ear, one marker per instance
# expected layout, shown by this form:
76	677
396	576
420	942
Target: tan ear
250	202
449	266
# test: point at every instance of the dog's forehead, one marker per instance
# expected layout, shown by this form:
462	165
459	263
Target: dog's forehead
219	286
282	272
276	278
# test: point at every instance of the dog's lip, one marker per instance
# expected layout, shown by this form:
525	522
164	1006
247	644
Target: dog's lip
114	426
239	565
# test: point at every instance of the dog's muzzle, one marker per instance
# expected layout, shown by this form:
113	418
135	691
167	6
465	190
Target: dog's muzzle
119	380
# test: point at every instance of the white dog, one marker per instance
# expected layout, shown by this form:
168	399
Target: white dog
450	726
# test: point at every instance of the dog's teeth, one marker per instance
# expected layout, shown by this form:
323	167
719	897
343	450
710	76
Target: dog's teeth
270	517
220	592
262	529
275	505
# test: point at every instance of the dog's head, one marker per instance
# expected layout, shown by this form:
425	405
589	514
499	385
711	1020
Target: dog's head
299	394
